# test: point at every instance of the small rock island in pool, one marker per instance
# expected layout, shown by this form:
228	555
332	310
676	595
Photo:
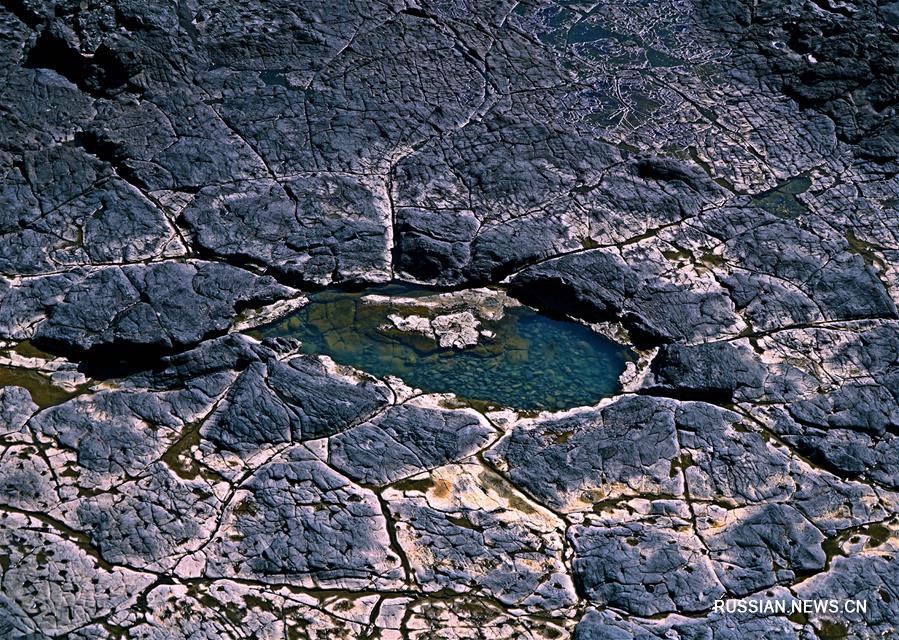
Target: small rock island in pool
479	344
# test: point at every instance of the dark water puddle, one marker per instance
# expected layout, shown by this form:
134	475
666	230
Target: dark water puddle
521	359
593	35
43	392
782	200
275	77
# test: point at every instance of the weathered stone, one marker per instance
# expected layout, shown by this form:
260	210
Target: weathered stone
598	285
274	402
155	308
627	448
53	586
757	547
405	440
714	371
469	530
645	567
318	230
298	522
713	182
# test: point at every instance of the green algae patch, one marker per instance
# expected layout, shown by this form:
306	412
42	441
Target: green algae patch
478	344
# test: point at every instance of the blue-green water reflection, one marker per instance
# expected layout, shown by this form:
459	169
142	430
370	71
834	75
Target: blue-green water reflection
523	360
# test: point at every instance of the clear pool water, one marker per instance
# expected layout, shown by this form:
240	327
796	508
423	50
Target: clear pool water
530	362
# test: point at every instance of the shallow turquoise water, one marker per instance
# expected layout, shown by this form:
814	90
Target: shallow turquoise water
532	362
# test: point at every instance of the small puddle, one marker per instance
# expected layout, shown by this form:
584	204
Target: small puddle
43	392
275	77
479	344
782	200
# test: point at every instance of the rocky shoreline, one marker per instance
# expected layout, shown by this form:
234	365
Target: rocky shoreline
717	183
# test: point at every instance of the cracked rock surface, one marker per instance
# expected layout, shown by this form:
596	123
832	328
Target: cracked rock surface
714	183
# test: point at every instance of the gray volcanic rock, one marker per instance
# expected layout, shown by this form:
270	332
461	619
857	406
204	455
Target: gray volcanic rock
468	530
598	285
868	576
405	440
626	448
205	367
860	402
607	625
52	585
41	107
25	301
121	432
656	561
713	182
480	175
275	402
16	407
317	230
645	568
724	459
26	481
435	247
836	281
161	306
836	61
298	522
759	546
67	208
709	370
150	523
833	413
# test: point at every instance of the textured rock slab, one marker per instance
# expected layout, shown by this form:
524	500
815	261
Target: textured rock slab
646	565
598	285
835	280
716	179
708	371
112	434
570	463
224	608
468	530
321	229
150	523
295	521
69	209
757	547
16	407
157	307
405	440
869	576
52	585
273	402
606	625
